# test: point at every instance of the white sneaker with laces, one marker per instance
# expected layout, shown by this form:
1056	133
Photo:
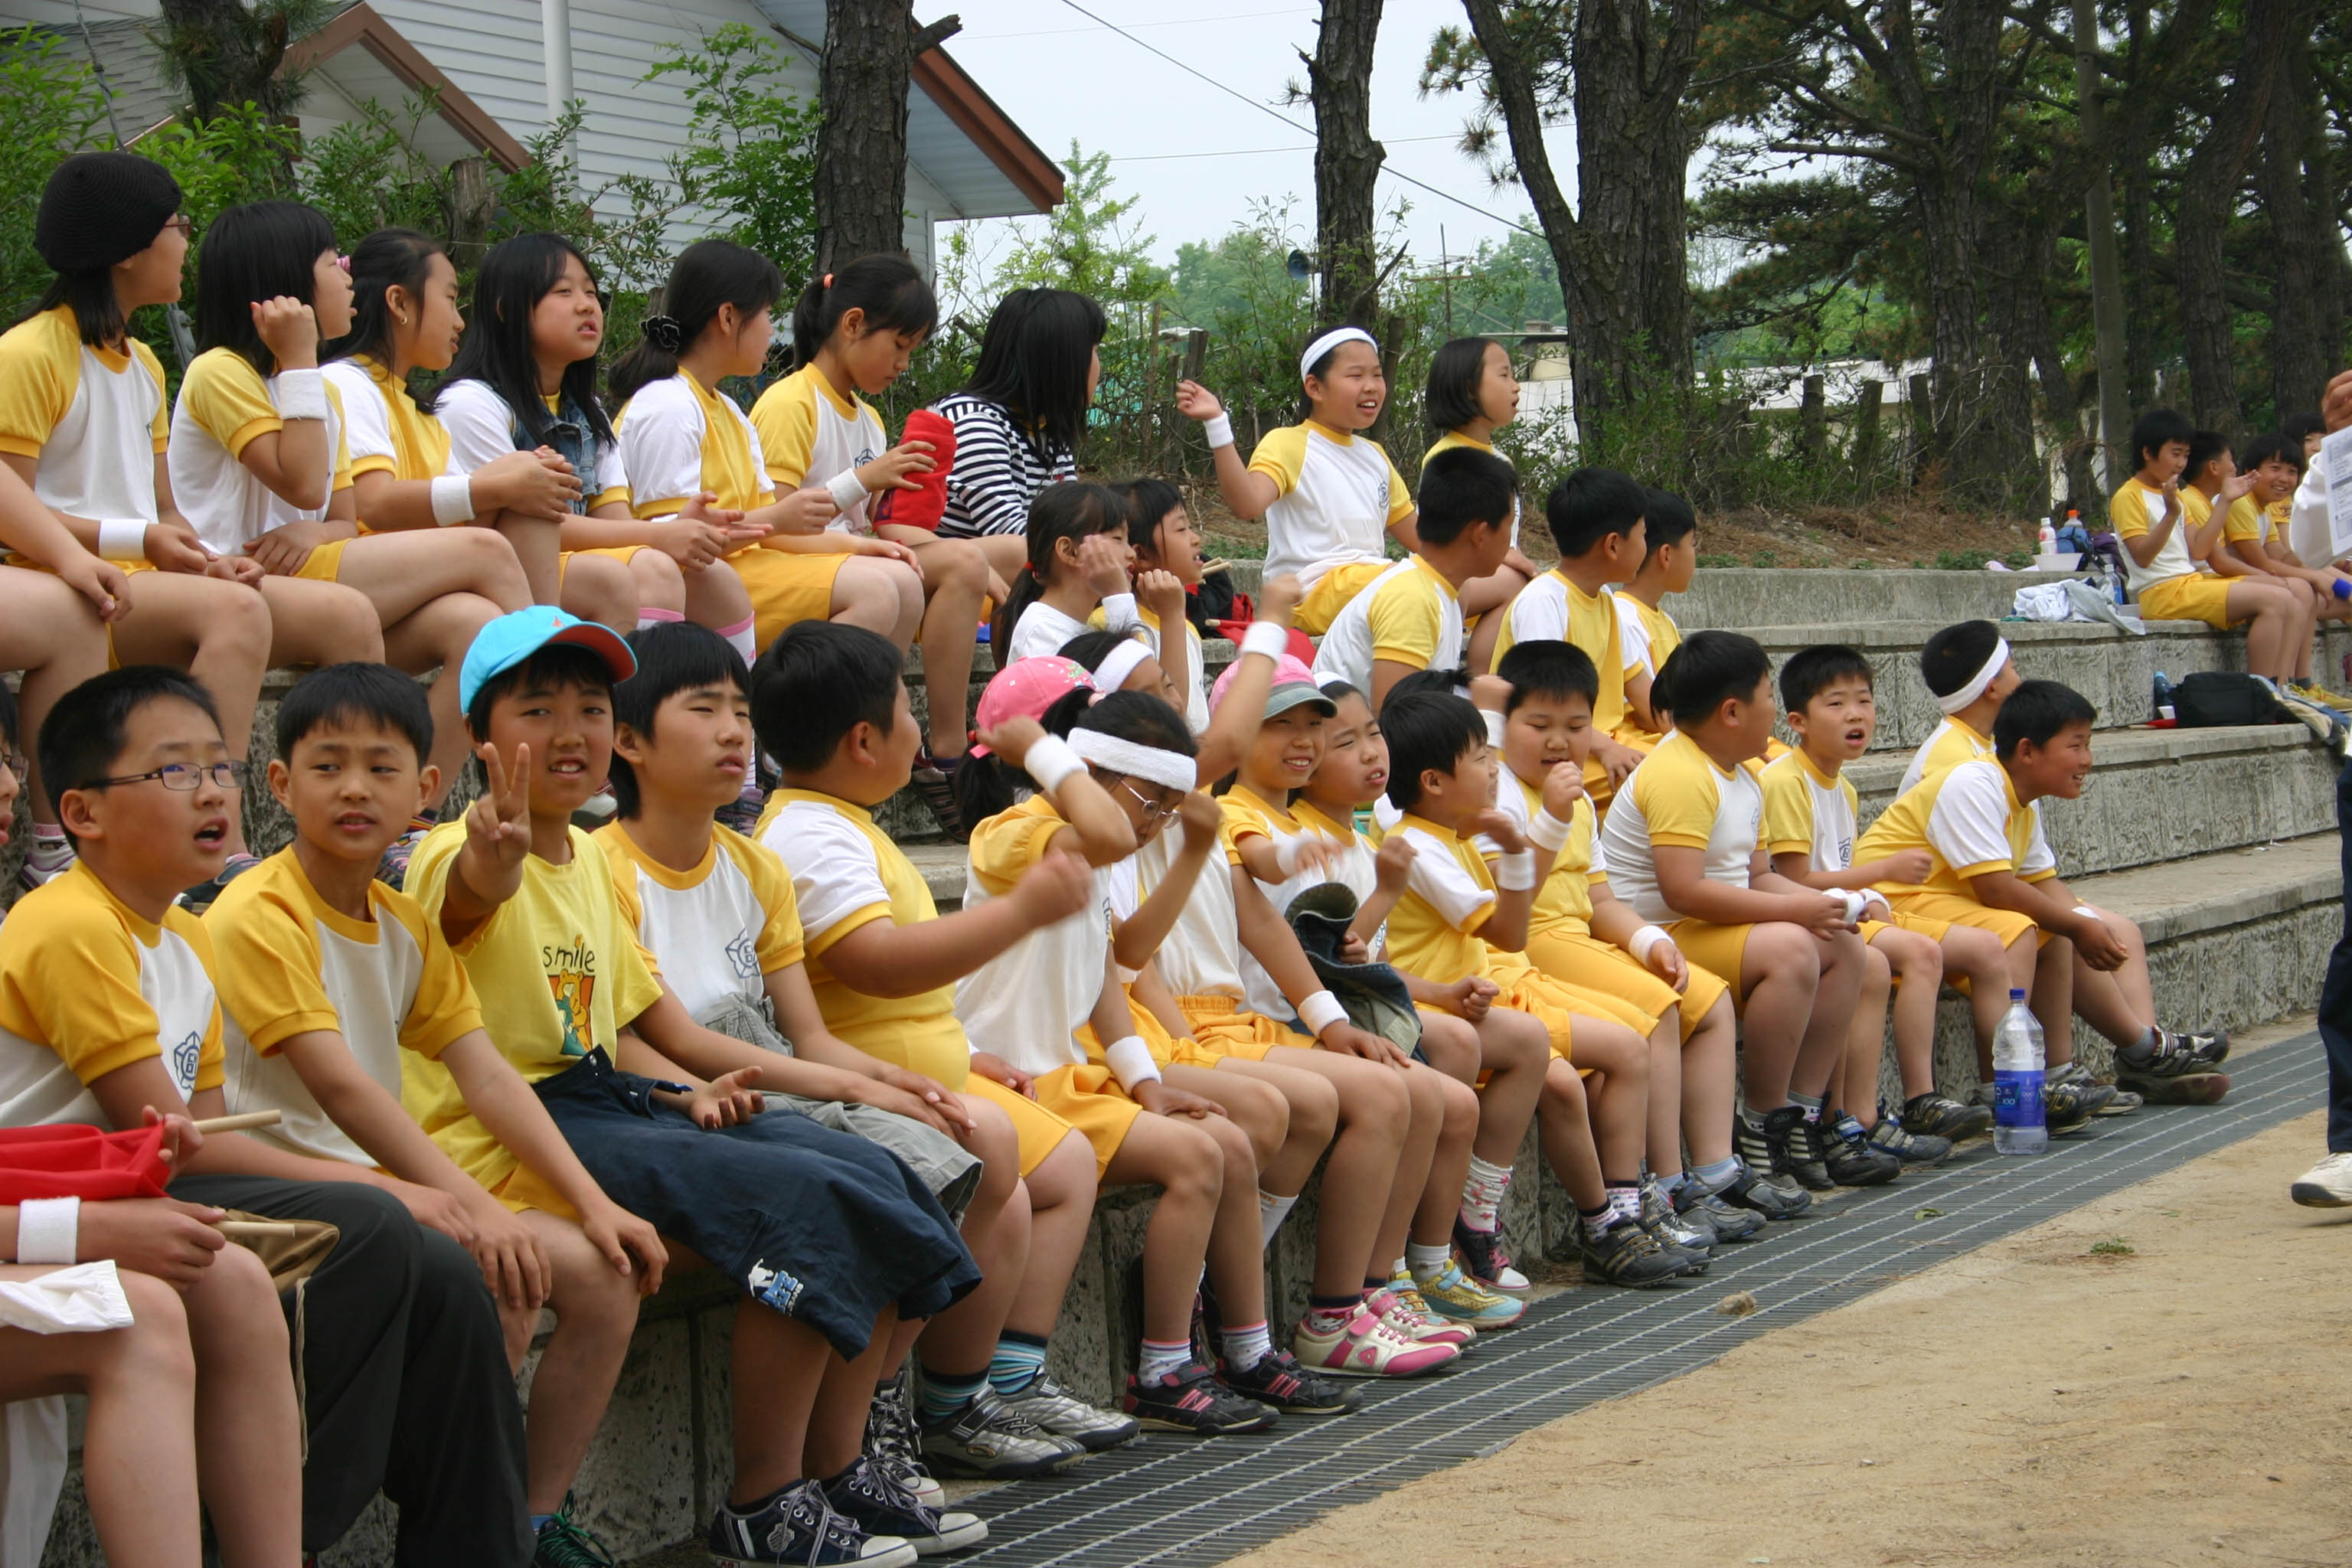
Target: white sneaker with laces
2326	1185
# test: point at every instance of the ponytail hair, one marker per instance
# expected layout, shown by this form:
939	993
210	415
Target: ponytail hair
708	274
387	260
889	288
1071	510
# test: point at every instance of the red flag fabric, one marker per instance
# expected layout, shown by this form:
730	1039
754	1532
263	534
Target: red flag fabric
74	1161
922	508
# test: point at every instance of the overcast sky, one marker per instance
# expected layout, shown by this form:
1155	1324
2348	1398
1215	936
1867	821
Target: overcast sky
1197	157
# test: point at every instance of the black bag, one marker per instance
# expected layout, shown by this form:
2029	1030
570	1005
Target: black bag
2212	697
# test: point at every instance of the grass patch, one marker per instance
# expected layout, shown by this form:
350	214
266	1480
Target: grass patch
2114	1246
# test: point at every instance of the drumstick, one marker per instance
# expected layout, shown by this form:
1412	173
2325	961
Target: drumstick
259	1229
238	1123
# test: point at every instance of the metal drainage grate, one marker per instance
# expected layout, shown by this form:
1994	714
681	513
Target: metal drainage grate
1169	1501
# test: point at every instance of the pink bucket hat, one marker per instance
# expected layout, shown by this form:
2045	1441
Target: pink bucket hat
1026	688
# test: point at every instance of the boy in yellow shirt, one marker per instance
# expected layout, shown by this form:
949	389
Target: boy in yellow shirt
1409	616
1968	671
328	978
1669	561
2252	542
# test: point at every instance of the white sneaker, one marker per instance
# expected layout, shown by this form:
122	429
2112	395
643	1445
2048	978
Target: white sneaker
2326	1185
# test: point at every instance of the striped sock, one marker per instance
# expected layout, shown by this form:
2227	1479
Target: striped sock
1246	1345
1018	1360
1160	1358
944	1395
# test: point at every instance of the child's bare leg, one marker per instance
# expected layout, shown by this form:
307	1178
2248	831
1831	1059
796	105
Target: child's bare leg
836	1427
955	577
1710	1074
402	573
775	1365
248	1435
436	635
1780	970
1663	1137
1236	1254
1449	1045
660	584
880	594
1428	1109
595	1313
1993	971
1619	1094
1515	1049
312	622
1061	1203
2052	998
52	634
1566	1132
1263	1114
217	631
1843	958
1449	1168
1368	1154
1184	1160
599	588
1855	1087
959	1342
716	598
1489	599
138	1451
1311	1114
1917	962
2118	1003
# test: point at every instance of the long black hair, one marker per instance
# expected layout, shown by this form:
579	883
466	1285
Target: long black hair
887	287
1071	509
1033	360
258	251
708	274
386	259
496	351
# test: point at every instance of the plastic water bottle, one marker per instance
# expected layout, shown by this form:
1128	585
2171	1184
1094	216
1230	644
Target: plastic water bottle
2018	1126
2045	539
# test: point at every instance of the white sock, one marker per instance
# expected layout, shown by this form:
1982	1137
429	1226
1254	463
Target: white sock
1426	1262
1156	1361
739	637
649	617
1246	1346
1482	1194
1272	1210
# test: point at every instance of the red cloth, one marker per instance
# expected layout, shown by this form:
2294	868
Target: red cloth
72	1161
923	507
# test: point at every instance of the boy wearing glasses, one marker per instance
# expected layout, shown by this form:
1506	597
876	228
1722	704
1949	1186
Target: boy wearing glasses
107	1017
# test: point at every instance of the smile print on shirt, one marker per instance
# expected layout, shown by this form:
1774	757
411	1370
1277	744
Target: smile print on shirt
572	977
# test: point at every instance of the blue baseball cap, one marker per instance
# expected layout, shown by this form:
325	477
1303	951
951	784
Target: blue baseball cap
512	639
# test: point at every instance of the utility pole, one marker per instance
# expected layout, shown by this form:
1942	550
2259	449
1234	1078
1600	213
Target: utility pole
2099	230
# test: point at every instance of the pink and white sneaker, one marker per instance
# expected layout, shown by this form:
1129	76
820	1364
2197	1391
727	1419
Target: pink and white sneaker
1365	1346
1402	1307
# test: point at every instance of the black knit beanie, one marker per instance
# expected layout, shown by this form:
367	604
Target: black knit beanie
101	207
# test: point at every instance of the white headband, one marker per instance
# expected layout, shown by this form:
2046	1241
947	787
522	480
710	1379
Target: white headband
1976	688
1169	769
1329	340
1119	663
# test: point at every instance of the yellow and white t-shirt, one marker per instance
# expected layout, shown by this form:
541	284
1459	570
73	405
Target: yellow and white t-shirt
714	932
1336	495
558	973
1448	899
2135	510
1552	608
87	987
1970	821
678	439
1805	811
1564	902
225	403
1408	615
1648	635
1952	743
2246	520
384	430
1042	629
810	434
847	873
291	964
1196	692
1025	1003
1356	866
481	426
92	420
1679	798
1202	954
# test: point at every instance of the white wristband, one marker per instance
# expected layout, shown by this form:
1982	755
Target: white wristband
1219	428
1639	943
1547	831
2088	913
1320	1011
1265	638
1051	760
1118	613
1516	871
453	500
1291	851
1130	1062
1854	904
1495	723
301	395
122	538
46	1231
848	491
1873	896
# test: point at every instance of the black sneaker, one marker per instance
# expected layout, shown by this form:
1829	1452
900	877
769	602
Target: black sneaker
1751	1192
1627	1255
1933	1115
935	782
1191	1399
990	1439
564	1543
797	1526
2179	1071
1729	1222
1692	1228
1749	1143
1485	1260
1280	1380
200	896
1910	1148
895	1442
2209	1046
1851	1158
868	1497
2068	1109
1799	1148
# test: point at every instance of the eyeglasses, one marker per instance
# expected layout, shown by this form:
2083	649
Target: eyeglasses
1152	810
181	776
185	224
14	761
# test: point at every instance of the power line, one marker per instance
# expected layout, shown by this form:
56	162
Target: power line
1294	125
1181	22
1254	151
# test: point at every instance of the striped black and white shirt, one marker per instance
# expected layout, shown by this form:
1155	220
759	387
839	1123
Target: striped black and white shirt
998	470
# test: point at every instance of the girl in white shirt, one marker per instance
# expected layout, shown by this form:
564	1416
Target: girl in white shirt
1079	560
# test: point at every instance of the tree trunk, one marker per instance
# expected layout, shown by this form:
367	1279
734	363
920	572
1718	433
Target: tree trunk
2307	323
2099	236
2142	290
870	47
1346	162
224	55
2209	198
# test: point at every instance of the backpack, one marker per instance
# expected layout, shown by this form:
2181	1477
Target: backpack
2213	697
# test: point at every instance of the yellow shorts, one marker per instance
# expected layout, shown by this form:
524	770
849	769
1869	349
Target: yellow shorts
1331	593
1941	911
1223	1025
2195	597
523	1189
1088	1098
1039	1130
786	587
1556	1007
324	564
1721	950
1585	961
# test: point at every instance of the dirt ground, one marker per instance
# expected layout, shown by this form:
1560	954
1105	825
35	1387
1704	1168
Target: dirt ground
2177	1396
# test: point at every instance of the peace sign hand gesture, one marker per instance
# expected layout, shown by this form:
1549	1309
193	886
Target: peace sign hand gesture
498	825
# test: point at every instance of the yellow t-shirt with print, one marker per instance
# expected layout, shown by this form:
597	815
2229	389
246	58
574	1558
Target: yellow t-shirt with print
558	972
1790	824
1561	609
1336	497
810	434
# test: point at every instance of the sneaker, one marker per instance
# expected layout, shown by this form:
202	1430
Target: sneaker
1801	1147
2312	691
797	1525
2209	1046
1278	1380
2179	1072
1909	1147
1191	1399
2120	1101
2067	1108
1752	1193
200	896
1403	1307
2326	1185
597	810
1933	1115
895	1442
1483	1259
1749	1143
1056	1412
564	1543
741	814
1729	1222
989	1439
870	1498
392	871
1451	1293
1627	1255
935	782
1363	1346
32	874
1672	1229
